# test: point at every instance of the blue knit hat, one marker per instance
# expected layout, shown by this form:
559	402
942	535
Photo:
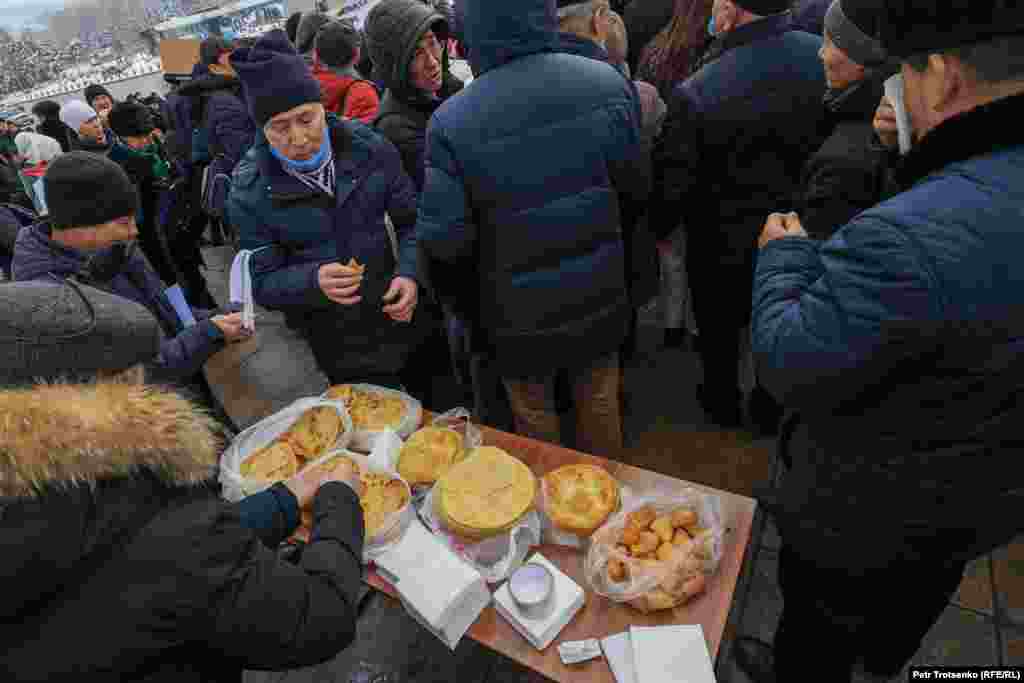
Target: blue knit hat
276	79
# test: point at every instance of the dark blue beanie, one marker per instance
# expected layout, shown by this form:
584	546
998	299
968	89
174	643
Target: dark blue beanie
276	79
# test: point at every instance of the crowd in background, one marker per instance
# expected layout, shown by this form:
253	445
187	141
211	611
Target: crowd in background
24	64
832	189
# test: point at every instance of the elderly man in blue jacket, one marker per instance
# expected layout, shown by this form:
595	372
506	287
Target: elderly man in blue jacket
524	173
899	341
311	197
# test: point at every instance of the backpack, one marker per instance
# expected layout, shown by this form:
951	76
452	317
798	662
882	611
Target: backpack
187	119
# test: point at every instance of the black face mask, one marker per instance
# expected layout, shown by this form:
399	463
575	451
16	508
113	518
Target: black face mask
105	264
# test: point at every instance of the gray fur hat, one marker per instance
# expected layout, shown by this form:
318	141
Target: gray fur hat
61	329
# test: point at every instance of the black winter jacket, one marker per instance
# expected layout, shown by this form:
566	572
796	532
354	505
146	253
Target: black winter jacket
644	19
121	564
851	170
56	129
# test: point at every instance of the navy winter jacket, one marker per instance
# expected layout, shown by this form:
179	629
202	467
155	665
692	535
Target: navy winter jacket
294	230
900	342
524	170
183	351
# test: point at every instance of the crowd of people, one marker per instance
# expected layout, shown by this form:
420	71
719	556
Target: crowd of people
24	64
836	185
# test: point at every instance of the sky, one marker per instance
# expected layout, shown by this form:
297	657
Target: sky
14	13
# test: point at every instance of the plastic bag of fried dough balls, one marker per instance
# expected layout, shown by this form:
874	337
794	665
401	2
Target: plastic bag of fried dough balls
657	553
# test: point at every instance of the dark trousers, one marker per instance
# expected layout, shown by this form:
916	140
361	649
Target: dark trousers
832	618
721	294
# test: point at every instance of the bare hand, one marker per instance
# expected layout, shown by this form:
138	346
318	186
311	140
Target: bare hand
340	283
305	484
885	124
404	292
231	326
781	225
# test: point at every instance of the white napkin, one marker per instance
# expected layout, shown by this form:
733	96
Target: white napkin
894	91
438	589
671	654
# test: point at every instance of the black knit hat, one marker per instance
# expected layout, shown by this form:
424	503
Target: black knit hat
764	7
912	27
274	76
95	90
337	43
85	189
61	330
131	119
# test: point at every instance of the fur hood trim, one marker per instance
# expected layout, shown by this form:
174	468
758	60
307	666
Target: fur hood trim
65	435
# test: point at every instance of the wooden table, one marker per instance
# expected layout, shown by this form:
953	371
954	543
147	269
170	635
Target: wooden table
601	617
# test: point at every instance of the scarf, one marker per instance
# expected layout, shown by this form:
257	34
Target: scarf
316	173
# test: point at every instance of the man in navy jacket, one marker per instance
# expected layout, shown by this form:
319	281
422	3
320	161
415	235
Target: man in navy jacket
524	170
899	342
735	140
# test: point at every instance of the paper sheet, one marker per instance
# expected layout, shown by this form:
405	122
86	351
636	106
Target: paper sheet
671	654
894	91
181	307
618	651
241	288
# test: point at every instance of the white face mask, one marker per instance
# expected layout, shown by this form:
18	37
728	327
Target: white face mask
894	91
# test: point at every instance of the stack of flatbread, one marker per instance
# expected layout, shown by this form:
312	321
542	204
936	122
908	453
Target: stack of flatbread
311	436
485	494
579	498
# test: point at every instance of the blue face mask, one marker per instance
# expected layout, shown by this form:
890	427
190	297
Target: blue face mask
306	165
711	26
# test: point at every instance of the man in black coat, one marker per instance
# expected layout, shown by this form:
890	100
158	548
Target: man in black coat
737	135
50	124
852	170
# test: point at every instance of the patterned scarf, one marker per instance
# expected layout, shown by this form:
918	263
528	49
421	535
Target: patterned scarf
320	178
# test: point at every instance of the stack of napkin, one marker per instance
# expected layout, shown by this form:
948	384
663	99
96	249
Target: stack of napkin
438	588
659	654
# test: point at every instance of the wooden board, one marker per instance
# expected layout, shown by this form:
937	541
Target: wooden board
601	617
179	55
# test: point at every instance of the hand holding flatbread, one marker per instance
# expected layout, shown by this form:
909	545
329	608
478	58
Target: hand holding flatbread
340	282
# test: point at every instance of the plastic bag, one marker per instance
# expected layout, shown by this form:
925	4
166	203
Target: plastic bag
495	557
234	485
363	440
554	535
654	584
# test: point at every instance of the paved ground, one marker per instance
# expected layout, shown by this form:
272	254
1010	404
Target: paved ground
983	625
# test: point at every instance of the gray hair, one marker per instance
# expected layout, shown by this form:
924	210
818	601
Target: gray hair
580	10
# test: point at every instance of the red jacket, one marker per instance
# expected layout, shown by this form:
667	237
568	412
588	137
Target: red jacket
360	97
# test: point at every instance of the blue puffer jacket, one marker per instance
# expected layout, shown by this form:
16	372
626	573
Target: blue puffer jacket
900	342
523	175
183	351
295	230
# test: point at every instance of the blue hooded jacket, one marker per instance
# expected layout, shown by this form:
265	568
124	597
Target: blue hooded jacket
524	174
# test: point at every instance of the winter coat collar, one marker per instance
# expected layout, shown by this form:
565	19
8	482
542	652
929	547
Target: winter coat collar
768	27
986	129
859	101
63	435
399	102
500	32
37	255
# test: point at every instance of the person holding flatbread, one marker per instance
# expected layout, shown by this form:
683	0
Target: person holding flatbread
310	199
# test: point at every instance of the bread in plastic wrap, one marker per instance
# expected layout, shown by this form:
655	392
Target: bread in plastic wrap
363	439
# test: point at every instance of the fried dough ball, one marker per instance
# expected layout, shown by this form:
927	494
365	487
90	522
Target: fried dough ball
663	527
631	535
616	570
665	551
683	518
642	517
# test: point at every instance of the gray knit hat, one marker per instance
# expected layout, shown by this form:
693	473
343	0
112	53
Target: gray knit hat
52	330
393	30
854	28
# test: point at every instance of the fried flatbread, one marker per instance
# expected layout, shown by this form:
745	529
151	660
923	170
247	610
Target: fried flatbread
579	498
314	432
486	493
382	496
429	453
275	462
370	410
